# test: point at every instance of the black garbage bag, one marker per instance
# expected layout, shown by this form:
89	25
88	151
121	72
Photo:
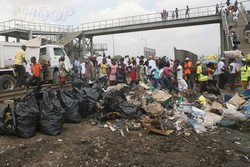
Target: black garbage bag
211	88
115	101
93	95
101	83
121	78
80	83
7	121
51	114
27	116
70	105
82	99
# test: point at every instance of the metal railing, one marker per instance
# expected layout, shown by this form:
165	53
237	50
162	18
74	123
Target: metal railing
40	27
148	18
243	12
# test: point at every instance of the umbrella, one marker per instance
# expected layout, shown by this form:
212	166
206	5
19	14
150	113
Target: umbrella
210	61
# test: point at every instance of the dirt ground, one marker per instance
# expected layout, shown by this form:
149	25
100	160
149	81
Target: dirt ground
87	145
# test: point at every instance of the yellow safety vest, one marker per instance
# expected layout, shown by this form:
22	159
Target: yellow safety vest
244	73
201	77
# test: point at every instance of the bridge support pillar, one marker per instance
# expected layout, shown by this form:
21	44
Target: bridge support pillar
222	39
18	39
84	49
6	38
91	45
30	35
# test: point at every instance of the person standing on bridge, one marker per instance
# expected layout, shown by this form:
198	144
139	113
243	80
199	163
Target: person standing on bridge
20	59
187	12
176	13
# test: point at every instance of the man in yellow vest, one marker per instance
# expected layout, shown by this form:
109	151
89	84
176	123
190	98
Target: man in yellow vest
244	74
202	77
19	60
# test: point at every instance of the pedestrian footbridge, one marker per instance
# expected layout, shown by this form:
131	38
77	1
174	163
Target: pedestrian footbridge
85	32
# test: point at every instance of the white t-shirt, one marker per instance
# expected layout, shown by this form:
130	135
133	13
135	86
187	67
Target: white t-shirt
234	68
220	65
83	68
152	64
109	62
179	72
161	71
99	59
126	61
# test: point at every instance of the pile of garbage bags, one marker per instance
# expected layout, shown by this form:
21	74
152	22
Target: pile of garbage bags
47	110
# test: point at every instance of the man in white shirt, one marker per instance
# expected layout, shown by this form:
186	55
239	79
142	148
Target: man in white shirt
99	59
221	72
232	73
151	65
182	85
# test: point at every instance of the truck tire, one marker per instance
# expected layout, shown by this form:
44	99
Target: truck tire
56	78
7	82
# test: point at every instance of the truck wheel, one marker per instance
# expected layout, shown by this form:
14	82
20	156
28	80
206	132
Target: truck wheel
7	82
56	78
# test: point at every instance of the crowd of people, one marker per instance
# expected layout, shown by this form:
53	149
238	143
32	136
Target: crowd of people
164	73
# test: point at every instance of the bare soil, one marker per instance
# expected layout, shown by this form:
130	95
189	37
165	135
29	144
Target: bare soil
87	145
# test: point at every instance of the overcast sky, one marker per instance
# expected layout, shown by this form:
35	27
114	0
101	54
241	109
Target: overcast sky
201	40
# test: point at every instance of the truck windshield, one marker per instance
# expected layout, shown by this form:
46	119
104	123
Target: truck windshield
59	52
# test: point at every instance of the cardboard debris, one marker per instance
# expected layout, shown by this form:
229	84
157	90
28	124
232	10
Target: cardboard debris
154	109
217	106
236	100
161	96
142	88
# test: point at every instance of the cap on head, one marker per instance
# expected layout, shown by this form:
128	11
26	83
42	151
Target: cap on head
222	58
187	58
198	62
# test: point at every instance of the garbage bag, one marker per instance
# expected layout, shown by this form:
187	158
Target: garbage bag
82	99
51	114
70	105
101	83
93	95
80	83
235	115
27	116
213	89
121	78
7	121
229	123
115	101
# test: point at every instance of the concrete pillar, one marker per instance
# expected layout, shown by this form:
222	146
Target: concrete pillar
84	45
91	45
6	38
18	39
222	39
30	35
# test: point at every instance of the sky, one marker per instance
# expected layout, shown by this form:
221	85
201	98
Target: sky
201	40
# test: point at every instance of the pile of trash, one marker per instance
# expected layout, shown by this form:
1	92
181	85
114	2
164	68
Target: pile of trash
121	109
164	113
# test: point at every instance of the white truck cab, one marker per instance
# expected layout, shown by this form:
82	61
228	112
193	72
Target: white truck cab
49	53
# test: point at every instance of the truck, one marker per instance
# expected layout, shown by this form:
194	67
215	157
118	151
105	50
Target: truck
45	53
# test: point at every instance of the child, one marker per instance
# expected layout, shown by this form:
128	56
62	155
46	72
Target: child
112	73
63	72
132	73
36	73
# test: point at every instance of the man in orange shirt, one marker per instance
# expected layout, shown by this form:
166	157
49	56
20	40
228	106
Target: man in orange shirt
36	72
188	68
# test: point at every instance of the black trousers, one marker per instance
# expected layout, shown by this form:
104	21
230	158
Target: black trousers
37	79
20	75
222	81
